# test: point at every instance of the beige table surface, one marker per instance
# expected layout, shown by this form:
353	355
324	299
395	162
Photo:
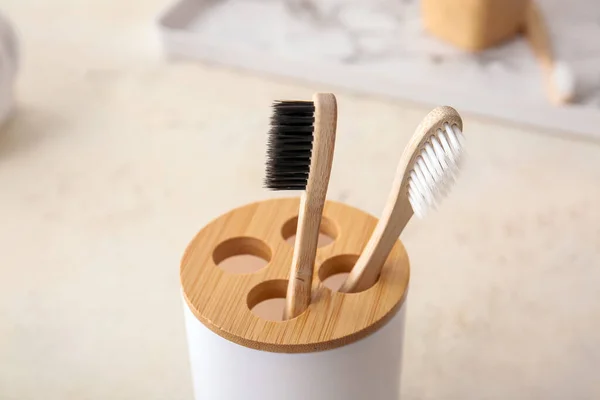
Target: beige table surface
116	158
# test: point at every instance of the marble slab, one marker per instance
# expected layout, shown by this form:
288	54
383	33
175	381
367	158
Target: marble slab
380	47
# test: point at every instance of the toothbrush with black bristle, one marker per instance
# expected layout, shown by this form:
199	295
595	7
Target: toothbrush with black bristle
299	157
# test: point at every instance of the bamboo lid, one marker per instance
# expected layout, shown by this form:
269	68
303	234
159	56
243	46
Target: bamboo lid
222	300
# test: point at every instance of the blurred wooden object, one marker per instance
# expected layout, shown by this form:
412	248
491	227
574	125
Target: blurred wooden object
474	25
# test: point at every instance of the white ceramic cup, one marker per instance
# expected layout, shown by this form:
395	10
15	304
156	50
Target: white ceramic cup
368	369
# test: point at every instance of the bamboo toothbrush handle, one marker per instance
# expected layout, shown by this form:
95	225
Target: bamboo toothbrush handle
311	206
396	214
537	34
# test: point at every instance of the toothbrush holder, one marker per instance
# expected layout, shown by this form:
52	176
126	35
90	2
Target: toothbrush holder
344	346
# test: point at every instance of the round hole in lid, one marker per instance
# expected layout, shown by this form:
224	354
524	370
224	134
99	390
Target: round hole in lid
334	271
328	231
242	255
267	299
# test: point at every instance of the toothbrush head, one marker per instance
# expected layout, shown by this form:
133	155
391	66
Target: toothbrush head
290	144
437	154
562	83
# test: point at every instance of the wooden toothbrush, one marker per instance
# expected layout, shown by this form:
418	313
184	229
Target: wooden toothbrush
428	165
299	157
559	79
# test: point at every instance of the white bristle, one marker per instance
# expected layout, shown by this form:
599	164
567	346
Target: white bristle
563	81
435	169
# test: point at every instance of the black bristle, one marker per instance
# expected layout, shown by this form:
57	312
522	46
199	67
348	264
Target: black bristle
289	146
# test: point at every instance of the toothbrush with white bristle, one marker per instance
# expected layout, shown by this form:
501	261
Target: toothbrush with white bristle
428	167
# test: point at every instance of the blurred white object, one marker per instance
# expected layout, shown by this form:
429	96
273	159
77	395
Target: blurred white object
563	81
9	63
